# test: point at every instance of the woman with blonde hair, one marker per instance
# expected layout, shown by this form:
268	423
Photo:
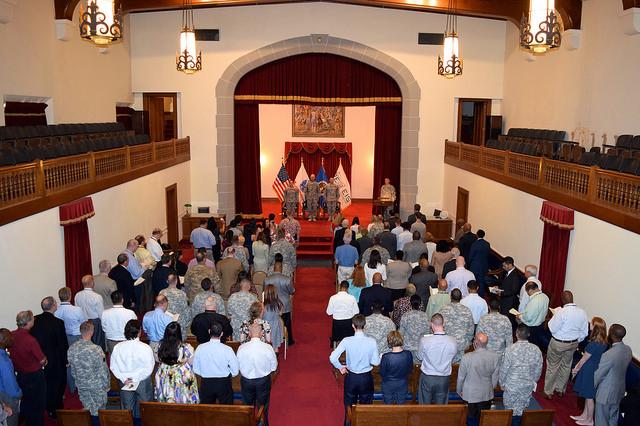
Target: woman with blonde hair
586	368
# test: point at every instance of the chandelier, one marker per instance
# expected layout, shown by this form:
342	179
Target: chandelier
450	64
187	60
540	29
100	23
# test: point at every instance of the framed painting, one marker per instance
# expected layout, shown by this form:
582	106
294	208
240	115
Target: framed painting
318	121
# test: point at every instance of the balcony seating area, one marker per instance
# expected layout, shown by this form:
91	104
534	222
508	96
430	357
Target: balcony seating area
25	144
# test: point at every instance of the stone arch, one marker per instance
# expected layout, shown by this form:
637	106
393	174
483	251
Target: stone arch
317	43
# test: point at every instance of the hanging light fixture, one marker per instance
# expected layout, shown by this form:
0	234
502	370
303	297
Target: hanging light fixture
100	23
187	60
540	28
450	64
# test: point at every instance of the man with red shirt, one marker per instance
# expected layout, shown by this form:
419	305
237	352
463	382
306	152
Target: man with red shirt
28	361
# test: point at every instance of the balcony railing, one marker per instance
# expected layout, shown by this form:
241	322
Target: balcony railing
611	196
29	188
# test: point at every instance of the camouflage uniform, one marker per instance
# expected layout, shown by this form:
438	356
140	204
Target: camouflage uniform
331	196
458	323
288	252
378	326
414	325
197	306
497	327
291	197
238	310
384	254
193	280
89	369
519	373
312	197
178	305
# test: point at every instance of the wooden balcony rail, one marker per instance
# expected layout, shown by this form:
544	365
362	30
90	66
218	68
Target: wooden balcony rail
610	196
27	189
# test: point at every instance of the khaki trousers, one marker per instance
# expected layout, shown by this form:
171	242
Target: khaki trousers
559	358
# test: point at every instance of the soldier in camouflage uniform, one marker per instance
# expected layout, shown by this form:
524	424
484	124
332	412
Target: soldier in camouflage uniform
238	307
178	304
497	327
384	253
458	323
331	196
197	273
291	199
89	369
288	252
197	306
312	197
413	325
378	326
520	371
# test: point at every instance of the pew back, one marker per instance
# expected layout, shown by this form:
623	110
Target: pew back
74	417
115	418
164	414
409	415
496	417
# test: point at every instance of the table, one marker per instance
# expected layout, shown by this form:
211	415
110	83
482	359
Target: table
441	229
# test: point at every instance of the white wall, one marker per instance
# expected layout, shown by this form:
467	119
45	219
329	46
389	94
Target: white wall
601	268
83	83
32	249
275	130
594	87
154	38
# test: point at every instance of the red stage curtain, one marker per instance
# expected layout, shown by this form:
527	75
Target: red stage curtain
247	158
558	223
332	153
386	162
77	248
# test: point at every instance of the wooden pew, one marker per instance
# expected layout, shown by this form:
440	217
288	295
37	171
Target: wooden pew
400	415
537	417
164	414
73	417
496	417
115	417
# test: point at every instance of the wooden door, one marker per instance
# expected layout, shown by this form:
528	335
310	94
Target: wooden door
462	205
171	202
472	118
160	114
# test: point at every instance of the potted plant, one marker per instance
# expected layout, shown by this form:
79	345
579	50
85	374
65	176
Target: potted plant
188	209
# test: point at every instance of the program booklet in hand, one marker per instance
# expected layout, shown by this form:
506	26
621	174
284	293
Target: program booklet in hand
131	386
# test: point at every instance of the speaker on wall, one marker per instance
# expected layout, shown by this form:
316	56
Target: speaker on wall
493	127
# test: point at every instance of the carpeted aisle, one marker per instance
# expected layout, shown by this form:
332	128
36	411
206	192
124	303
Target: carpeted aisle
305	391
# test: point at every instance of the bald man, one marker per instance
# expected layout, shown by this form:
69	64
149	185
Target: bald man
376	293
477	376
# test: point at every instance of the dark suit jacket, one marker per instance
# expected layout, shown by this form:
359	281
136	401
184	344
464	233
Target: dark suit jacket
50	333
389	241
124	282
159	278
363	244
338	240
201	324
371	294
448	267
479	257
412	218
510	285
465	244
423	280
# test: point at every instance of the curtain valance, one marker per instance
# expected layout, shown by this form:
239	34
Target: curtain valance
76	211
557	215
312	147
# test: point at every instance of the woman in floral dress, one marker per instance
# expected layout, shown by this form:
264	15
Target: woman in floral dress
256	311
175	381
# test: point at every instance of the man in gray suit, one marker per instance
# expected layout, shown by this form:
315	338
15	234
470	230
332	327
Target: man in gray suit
285	290
609	378
398	273
477	376
103	285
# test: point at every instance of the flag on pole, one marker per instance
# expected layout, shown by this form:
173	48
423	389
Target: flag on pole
322	180
345	187
301	183
281	182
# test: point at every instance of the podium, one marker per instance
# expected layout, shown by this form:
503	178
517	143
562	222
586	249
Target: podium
380	206
441	229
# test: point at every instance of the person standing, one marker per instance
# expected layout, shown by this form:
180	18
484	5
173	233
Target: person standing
346	257
406	236
155	322
256	361
8	384
216	364
379	326
466	240
569	326
291	198
375	293
202	322
438	300
89	369
178	304
342	307
312	197
398	274
288	252
285	290
132	363
417	214
413	325
424	280
479	261
509	289
362	356
531	274
418	226
195	275
414	249
535	313
388	193
92	306
477	377
174	379
124	281
436	353
609	378
238	307
395	368
201	237
228	269
497	327
103	285
331	196
458	323
72	316
153	244
114	320
460	277
50	333
474	302
389	241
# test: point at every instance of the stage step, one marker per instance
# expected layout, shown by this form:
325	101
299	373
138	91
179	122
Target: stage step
317	246
315	238
314	254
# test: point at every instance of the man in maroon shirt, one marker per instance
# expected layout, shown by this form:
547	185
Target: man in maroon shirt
28	361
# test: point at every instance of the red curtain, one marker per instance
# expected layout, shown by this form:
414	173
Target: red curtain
77	248
386	161
558	223
247	158
331	153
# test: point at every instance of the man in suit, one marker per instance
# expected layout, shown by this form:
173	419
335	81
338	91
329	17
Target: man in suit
375	293
479	261
424	279
388	240
364	242
50	333
161	273
124	281
477	376
466	240
416	213
609	378
509	289
284	288
398	274
451	264
338	235
229	268
201	323
103	285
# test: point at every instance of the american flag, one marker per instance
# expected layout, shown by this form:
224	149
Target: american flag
281	182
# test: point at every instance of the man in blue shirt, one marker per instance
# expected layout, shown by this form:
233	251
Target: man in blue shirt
72	316
134	267
362	355
155	322
346	258
10	392
201	237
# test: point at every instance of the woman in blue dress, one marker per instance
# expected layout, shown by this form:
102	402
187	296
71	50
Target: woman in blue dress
586	367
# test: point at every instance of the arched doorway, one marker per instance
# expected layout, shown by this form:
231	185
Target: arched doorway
319	43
